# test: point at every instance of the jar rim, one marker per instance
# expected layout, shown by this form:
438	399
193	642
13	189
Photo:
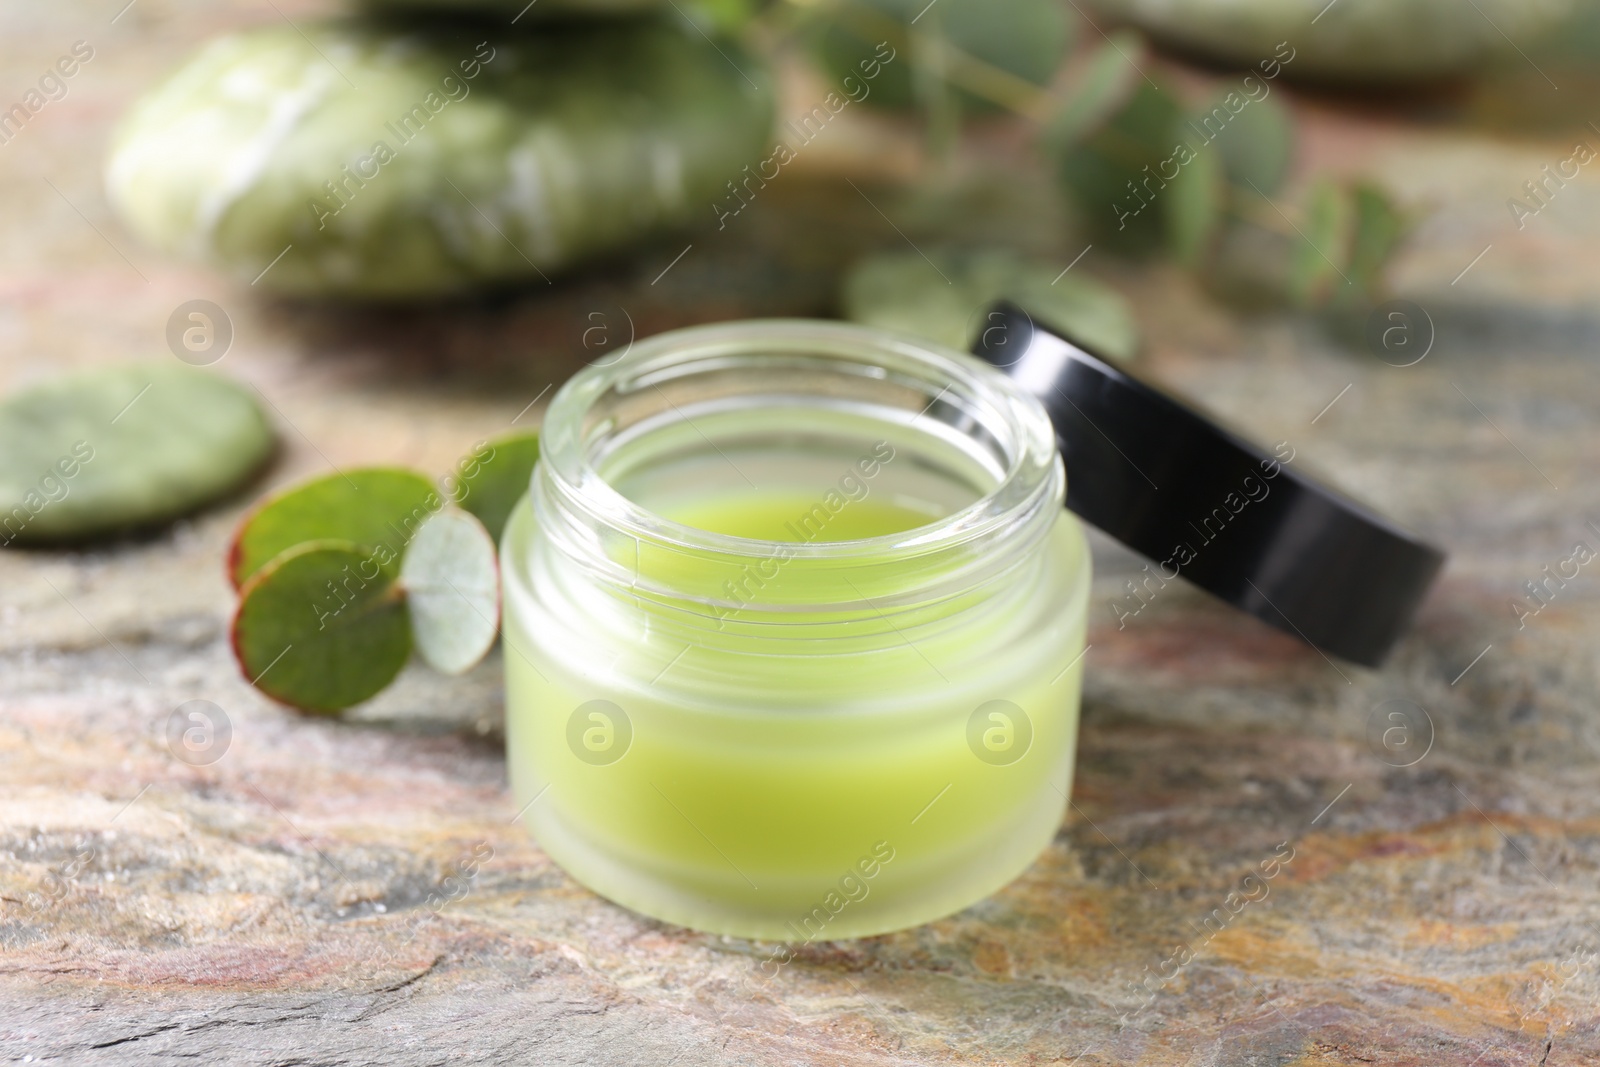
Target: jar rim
1032	476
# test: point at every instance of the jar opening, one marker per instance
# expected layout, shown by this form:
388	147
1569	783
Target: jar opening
862	464
796	471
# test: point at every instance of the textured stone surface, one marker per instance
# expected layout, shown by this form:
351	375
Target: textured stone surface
288	903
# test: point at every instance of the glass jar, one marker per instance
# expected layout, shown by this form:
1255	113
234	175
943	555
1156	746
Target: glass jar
793	623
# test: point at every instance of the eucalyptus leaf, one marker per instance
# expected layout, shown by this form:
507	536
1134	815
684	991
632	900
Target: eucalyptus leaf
1256	140
904	292
1021	40
1192	208
1318	259
494	477
1379	228
1104	83
365	159
452	585
120	447
1113	169
382	507
322	626
721	16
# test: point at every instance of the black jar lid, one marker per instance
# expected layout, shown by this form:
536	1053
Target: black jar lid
1234	518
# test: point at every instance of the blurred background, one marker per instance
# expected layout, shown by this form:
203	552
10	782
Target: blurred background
1209	162
1249	160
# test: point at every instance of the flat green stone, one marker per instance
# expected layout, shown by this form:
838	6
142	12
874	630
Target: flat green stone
1357	41
122	447
357	159
724	15
521	10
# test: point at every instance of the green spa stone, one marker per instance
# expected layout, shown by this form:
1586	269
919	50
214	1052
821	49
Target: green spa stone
521	10
360	162
1352	41
124	447
721	14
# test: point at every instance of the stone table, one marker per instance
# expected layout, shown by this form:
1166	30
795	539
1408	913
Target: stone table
1435	897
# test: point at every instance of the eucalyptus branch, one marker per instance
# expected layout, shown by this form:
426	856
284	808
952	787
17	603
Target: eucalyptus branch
960	68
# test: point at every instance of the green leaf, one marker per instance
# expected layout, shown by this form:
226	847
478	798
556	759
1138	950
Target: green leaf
1016	40
377	506
491	480
452	585
1318	259
120	447
1106	80
901	291
1192	208
1256	143
1113	171
322	626
1379	228
722	16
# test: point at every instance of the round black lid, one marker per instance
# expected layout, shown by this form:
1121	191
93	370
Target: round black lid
1235	519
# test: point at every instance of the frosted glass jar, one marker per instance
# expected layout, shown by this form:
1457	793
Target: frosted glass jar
793	624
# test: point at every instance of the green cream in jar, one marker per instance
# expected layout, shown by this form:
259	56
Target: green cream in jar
793	623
